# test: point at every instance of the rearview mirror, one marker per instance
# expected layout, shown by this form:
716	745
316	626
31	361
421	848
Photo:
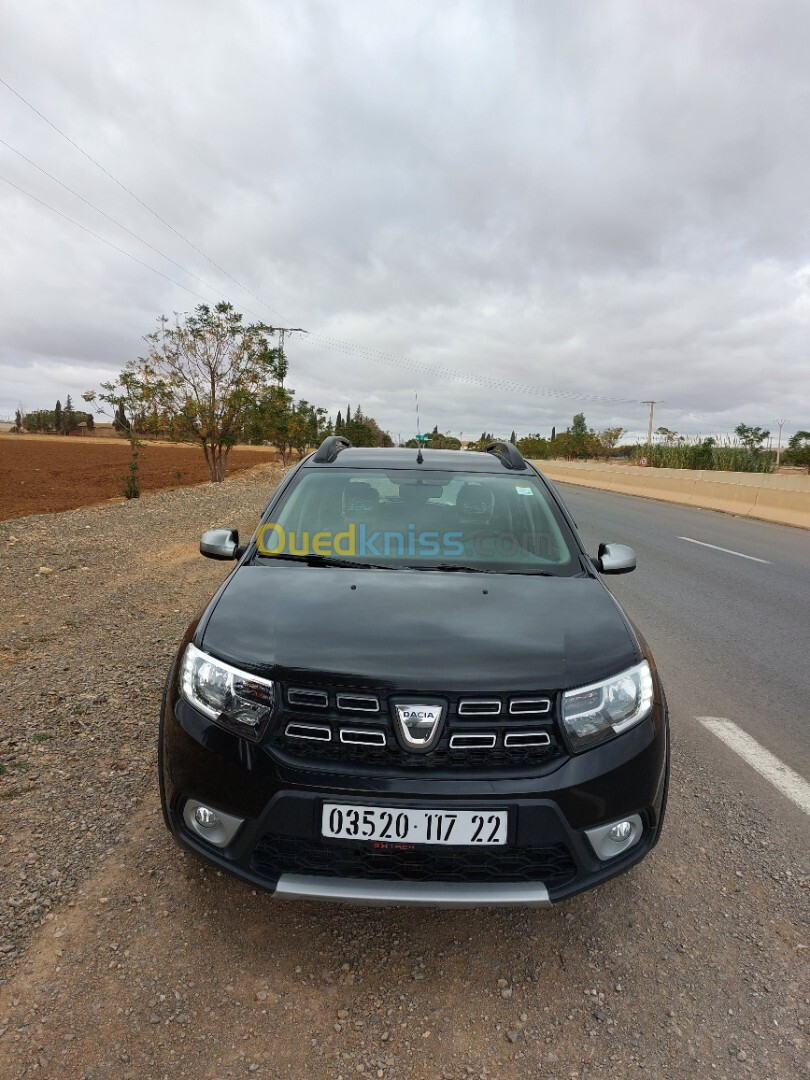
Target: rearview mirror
615	559
219	544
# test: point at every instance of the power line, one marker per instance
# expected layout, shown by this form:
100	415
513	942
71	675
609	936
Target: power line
115	221
333	343
465	376
109	243
330	342
388	358
132	194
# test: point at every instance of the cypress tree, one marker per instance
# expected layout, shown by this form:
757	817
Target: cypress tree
120	420
68	416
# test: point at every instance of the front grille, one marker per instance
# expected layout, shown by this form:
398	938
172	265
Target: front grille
275	855
528	706
358	703
483	741
393	756
360	737
479	708
316	732
309	699
343	726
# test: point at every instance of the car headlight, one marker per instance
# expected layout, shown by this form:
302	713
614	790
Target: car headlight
235	699
594	713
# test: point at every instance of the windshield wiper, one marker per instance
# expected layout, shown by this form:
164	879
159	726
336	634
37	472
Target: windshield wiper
460	568
324	560
453	568
456	568
534	573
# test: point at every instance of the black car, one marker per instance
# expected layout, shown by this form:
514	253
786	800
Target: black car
414	688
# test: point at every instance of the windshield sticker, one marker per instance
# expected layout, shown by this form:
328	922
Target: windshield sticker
524	490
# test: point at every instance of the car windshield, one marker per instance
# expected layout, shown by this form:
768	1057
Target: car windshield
420	519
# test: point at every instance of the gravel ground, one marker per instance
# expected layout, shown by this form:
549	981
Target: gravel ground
121	956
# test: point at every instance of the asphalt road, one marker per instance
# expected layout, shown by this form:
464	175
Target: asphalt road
730	634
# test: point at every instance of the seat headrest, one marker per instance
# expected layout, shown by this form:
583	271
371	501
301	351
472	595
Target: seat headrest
359	497
474	502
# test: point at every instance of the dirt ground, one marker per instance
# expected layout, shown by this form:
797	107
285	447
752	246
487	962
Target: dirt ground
40	474
122	958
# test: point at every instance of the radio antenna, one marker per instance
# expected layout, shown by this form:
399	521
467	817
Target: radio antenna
419	458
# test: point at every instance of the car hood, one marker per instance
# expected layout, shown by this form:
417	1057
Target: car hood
418	630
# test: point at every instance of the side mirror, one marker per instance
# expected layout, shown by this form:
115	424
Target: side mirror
220	544
615	559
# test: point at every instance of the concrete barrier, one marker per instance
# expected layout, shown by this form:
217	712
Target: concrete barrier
786	505
780	498
733	493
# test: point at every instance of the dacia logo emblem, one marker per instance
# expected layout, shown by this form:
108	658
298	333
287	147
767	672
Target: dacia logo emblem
418	725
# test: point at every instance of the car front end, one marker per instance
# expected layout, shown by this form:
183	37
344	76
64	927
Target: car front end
390	737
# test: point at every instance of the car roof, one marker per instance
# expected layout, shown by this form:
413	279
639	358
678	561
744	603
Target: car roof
399	457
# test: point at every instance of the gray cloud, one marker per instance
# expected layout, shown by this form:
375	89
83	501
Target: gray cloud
602	200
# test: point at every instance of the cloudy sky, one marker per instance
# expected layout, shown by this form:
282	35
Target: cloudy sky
519	210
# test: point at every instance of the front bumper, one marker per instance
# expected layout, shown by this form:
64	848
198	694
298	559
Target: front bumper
376	893
279	848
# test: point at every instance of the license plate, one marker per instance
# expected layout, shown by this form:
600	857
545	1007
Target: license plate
472	828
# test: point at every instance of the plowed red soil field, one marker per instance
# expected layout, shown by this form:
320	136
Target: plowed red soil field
41	474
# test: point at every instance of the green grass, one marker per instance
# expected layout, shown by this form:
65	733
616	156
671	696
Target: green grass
17	766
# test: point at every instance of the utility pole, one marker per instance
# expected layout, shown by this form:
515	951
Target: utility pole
652	405
781	424
281	331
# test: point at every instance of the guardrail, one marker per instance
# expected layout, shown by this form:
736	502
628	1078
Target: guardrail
768	497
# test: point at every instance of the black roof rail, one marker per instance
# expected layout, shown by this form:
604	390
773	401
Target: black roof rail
507	453
331	447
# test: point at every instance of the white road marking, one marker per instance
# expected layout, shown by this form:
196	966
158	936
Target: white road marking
728	551
792	785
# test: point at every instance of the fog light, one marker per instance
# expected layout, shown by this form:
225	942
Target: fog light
214	826
616	837
618	834
207	818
